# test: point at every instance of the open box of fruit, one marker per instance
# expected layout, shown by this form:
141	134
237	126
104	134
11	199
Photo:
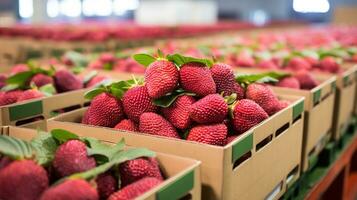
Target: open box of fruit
194	108
61	165
30	93
319	93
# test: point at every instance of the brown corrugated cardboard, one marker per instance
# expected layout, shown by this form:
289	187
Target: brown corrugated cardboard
274	147
319	104
345	99
182	174
42	108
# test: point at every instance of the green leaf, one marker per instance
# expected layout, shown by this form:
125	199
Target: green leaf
77	59
93	93
168	99
45	146
96	147
144	59
121	157
160	54
180	60
260	78
15	148
108	66
63	136
10	87
119	88
20	78
231	98
89	76
77	69
48	90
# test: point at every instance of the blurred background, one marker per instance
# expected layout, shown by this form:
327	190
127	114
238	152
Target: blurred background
175	11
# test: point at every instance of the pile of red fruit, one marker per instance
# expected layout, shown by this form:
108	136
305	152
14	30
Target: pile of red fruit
29	82
183	97
61	165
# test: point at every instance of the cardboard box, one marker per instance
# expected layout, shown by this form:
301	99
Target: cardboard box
42	108
182	174
260	163
319	104
345	100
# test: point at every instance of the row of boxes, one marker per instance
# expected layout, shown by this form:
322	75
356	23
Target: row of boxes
262	163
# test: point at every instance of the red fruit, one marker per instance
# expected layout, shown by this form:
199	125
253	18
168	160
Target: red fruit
18	69
283	104
72	189
4	161
224	79
71	157
107	58
230	139
313	61
298	63
30	94
22	180
214	134
306	80
329	64
135	189
85	117
97	64
106	185
134	170
247	114
105	110
210	109
267	64
154	124
137	101
9	97
289	82
264	96
3	78
197	78
41	79
178	114
66	81
127	124
161	77
244	60
96	80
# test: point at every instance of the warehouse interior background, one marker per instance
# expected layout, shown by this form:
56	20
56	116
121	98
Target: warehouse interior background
256	11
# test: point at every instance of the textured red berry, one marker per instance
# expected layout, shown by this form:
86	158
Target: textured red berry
30	94
136	189
161	77
137	101
247	114
264	96
134	170
306	80
106	185
41	79
210	109
155	124
66	81
105	110
197	78
178	114
224	79
22	180
127	124
289	82
214	134
71	157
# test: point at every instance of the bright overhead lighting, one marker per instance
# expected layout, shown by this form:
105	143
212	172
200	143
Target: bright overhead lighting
71	8
25	8
311	6
121	6
53	8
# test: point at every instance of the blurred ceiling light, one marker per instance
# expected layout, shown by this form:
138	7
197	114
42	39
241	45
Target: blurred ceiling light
96	8
52	8
121	6
259	17
70	8
311	6
25	8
